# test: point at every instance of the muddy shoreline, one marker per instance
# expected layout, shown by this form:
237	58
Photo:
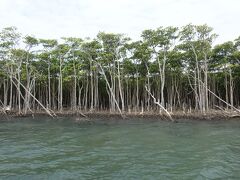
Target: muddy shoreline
106	115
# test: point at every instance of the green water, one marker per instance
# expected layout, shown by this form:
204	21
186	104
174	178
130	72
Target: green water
120	149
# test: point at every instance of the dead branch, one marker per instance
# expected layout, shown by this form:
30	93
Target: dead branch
47	110
157	103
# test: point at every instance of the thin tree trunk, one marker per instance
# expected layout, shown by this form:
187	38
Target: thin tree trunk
120	86
74	97
111	91
231	88
49	85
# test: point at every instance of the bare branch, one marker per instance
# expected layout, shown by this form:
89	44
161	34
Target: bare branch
157	103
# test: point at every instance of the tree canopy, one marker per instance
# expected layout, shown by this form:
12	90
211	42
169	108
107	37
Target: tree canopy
179	66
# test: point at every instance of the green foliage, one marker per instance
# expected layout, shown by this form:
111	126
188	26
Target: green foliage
176	50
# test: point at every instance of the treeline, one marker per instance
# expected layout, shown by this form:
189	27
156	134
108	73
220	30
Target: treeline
177	68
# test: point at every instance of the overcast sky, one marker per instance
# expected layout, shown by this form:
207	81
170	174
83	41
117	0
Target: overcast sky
85	18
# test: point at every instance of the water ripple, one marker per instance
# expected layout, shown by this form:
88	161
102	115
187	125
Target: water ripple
52	149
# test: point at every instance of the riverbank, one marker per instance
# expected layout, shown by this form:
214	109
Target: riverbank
93	115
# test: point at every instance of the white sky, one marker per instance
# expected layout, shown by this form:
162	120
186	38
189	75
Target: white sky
85	18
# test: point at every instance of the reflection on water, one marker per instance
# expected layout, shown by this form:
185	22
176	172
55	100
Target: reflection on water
121	149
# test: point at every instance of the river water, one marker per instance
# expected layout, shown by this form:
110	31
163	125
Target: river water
43	148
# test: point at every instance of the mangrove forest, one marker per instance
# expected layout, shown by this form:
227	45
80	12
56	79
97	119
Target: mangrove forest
168	69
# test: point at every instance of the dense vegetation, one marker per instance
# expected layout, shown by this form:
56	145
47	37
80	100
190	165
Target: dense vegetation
177	68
